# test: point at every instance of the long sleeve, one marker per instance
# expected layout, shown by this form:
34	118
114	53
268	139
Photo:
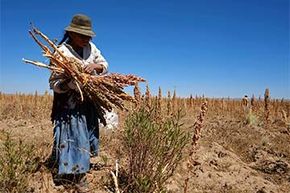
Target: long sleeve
99	59
58	83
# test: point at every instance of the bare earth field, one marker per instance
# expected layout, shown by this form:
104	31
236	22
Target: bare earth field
235	153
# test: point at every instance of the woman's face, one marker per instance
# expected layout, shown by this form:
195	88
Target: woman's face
79	40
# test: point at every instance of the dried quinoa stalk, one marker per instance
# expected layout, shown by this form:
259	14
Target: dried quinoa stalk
106	91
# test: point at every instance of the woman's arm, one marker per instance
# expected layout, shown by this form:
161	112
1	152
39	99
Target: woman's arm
58	82
99	64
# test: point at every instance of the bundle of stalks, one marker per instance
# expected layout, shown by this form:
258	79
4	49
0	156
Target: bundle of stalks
106	91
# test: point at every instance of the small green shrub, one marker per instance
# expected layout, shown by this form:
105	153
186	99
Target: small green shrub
17	160
251	118
154	148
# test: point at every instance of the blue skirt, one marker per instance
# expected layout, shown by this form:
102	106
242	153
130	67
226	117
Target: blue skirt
76	138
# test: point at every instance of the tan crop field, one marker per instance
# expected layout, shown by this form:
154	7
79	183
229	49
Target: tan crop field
193	145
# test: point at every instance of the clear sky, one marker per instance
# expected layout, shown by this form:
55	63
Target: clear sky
218	48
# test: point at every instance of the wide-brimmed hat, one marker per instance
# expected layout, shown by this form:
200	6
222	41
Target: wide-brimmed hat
81	24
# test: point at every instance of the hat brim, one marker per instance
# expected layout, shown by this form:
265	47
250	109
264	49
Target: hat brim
80	31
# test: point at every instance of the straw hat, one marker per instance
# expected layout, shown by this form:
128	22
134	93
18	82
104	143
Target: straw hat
81	24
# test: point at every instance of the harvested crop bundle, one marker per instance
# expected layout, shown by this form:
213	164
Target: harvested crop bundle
106	91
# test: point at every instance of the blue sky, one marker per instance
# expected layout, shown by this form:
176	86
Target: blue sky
218	48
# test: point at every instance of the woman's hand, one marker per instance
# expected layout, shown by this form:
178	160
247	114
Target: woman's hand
91	67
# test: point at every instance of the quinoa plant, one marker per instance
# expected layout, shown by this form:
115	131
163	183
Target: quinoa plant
17	162
154	148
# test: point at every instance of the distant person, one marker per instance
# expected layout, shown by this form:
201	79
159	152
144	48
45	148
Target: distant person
246	105
76	129
245	101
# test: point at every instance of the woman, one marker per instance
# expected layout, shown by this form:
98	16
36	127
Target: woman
76	131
